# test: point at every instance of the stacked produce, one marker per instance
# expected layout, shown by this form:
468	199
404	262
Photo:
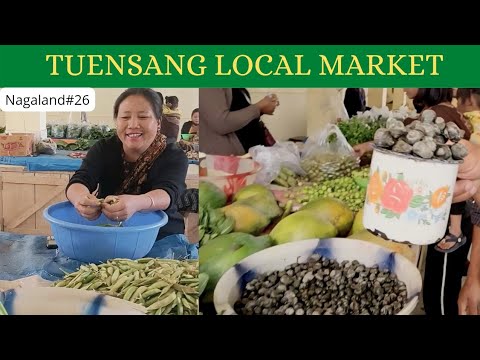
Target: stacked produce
349	189
252	210
358	129
164	287
189	148
221	253
321	286
212	223
288	178
327	166
358	232
428	138
77	131
3	311
321	218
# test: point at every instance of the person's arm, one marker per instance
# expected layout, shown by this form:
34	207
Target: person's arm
469	297
86	179
215	110
168	181
186	127
363	148
474	267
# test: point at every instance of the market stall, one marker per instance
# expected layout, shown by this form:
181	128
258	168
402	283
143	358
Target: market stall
310	229
30	184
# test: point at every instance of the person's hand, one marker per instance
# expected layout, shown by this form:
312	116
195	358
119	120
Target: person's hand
89	207
362	149
468	183
466	189
268	104
469	297
119	208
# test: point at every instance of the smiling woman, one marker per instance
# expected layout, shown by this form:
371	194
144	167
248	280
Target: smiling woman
136	166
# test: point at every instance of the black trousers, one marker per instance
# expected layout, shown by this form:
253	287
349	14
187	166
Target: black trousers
456	267
458	208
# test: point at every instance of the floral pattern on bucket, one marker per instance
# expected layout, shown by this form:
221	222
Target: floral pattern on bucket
393	197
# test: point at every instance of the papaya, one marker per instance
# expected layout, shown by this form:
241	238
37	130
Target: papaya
302	225
223	252
252	190
332	210
403	249
211	195
357	223
264	203
247	219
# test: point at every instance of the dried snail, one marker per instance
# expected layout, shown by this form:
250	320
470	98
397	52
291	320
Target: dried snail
428	138
321	286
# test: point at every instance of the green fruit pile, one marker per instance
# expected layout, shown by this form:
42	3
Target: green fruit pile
343	188
213	223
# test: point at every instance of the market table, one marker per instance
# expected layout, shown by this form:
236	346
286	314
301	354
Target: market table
29	184
26	255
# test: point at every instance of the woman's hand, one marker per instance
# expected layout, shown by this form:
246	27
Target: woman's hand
268	104
468	183
362	149
469	298
120	208
89	207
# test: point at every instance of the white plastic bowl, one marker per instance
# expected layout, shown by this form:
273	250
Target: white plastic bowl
232	283
65	301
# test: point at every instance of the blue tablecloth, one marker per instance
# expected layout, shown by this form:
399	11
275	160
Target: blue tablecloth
58	162
26	255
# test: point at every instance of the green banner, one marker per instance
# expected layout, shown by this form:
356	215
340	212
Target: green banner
261	66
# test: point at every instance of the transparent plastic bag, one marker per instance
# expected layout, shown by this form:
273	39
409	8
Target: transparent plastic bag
73	130
58	131
328	155
47	146
85	133
282	155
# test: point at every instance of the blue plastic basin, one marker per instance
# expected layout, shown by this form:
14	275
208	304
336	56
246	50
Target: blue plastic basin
83	240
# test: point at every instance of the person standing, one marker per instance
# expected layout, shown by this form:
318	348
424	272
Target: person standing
231	123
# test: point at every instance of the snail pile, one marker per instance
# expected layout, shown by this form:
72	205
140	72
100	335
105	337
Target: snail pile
322	286
428	138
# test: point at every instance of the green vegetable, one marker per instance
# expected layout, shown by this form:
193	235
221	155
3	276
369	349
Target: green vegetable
359	130
3	311
211	195
203	281
223	252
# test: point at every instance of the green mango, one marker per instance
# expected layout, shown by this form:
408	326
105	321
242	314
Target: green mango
211	195
251	190
302	225
334	211
223	252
